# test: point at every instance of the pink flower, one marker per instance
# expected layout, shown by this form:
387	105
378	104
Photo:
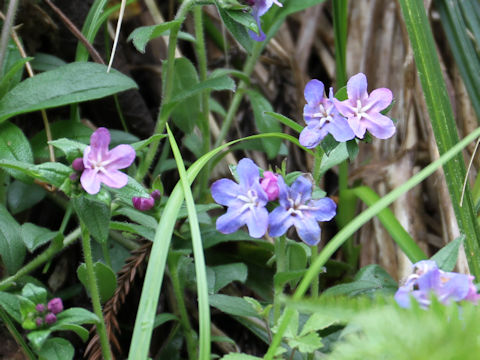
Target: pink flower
50	319
102	165
269	183
143	204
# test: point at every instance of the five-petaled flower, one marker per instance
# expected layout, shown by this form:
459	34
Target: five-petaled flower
297	208
245	201
260	7
428	279
102	165
322	117
363	111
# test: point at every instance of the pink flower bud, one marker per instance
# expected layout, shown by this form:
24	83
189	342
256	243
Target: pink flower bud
50	318
143	204
55	305
40	308
39	321
269	183
156	194
77	164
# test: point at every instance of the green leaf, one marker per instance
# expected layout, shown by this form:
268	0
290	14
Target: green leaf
135	229
95	215
336	156
446	257
15	146
72	130
21	196
142	35
225	274
137	216
56	349
285	121
133	188
72	83
13	76
12	249
264	123
71	148
317	322
238	31
11	304
106	279
34	236
77	316
38	338
139	145
161	319
306	344
53	173
232	305
77	329
35	294
45	62
186	113
217	83
245	19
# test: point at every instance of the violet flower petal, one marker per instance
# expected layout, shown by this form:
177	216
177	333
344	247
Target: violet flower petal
379	99
340	129
257	222
307	229
323	209
279	221
113	178
90	181
379	125
247	172
100	140
313	92
225	191
121	156
357	88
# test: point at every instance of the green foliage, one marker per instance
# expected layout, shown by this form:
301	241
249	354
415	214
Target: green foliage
106	279
12	249
142	35
67	84
446	257
15	146
95	215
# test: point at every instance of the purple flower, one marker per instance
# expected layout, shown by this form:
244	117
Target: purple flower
50	318
55	305
101	164
260	7
322	117
143	204
246	201
428	279
363	111
269	183
297	208
77	164
156	194
40	308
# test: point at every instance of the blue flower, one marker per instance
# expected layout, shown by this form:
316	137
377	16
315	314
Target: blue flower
322	117
428	279
260	7
297	208
246	201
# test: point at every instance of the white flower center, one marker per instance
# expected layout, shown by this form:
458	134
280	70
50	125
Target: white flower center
323	114
250	199
360	111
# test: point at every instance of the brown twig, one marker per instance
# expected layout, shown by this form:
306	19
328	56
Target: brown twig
126	276
77	33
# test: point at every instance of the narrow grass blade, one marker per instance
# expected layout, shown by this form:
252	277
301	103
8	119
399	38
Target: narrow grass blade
443	123
200	267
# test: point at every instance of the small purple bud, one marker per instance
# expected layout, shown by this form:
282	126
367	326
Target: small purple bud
55	305
39	321
50	318
269	183
77	164
40	308
156	194
73	176
143	204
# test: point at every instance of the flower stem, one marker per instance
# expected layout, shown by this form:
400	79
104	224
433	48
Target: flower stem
48	254
94	293
281	260
169	77
202	70
184	319
314	287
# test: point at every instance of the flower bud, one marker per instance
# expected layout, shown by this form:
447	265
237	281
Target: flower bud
40	308
143	204
156	194
50	318
77	164
55	305
39	321
269	183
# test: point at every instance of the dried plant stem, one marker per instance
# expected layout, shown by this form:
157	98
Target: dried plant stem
117	33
